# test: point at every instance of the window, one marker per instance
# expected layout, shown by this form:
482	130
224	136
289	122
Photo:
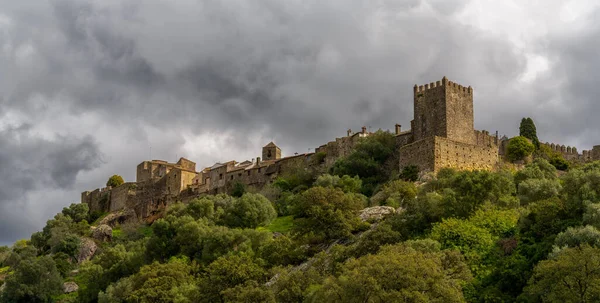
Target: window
220	176
248	173
231	177
259	170
240	174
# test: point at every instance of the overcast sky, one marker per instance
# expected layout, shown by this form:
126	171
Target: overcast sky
92	88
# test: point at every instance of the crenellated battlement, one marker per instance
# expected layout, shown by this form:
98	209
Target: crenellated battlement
568	150
443	83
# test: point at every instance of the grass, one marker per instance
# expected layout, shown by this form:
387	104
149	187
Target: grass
280	224
4	270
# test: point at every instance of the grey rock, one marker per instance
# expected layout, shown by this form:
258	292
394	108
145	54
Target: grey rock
376	213
87	249
69	287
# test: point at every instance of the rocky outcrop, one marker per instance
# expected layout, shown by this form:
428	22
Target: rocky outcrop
117	218
376	213
87	249
69	287
102	233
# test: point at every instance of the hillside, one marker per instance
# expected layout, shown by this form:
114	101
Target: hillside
454	236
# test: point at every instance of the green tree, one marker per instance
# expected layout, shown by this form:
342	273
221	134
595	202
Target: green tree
410	173
346	183
77	211
577	236
170	282
34	280
250	292
327	212
250	211
571	276
109	266
229	272
395	193
527	129
238	189
373	160
398	273
519	148
474	242
114	181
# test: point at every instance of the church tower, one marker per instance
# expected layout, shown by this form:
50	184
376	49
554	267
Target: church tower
271	152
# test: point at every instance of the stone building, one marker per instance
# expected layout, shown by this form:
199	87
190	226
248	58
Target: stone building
442	132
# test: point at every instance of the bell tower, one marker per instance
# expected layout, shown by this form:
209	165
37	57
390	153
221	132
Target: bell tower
271	152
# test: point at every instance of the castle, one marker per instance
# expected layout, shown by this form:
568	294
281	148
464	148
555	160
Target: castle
442	135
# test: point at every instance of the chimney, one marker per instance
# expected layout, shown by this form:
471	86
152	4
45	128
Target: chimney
349	132
257	160
364	129
398	129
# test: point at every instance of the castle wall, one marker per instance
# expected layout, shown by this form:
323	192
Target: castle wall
483	138
118	196
97	200
568	152
404	139
435	153
339	148
420	153
463	156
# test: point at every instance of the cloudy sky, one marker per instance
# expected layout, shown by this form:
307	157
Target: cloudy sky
91	88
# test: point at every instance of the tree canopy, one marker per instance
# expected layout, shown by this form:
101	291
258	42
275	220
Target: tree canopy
114	181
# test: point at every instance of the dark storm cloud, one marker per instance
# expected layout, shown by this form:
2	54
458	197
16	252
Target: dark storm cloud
31	163
297	74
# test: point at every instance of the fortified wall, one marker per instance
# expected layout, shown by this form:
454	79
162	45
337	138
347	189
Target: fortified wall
442	135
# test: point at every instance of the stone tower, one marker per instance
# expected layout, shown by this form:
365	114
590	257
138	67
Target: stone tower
443	109
271	152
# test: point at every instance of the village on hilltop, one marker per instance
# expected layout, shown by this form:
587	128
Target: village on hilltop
441	135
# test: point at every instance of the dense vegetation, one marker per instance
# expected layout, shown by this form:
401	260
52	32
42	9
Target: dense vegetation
526	236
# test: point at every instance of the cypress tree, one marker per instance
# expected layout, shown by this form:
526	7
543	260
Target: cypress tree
527	129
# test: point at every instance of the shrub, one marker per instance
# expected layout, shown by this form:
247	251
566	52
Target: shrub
410	173
115	181
519	148
250	211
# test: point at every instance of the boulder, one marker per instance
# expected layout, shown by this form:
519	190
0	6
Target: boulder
376	213
121	217
69	287
102	233
87	249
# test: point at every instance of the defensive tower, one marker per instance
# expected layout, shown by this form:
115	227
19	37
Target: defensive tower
443	109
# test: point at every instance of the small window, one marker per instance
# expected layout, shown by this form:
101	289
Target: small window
240	174
220	176
231	177
248	173
259	170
